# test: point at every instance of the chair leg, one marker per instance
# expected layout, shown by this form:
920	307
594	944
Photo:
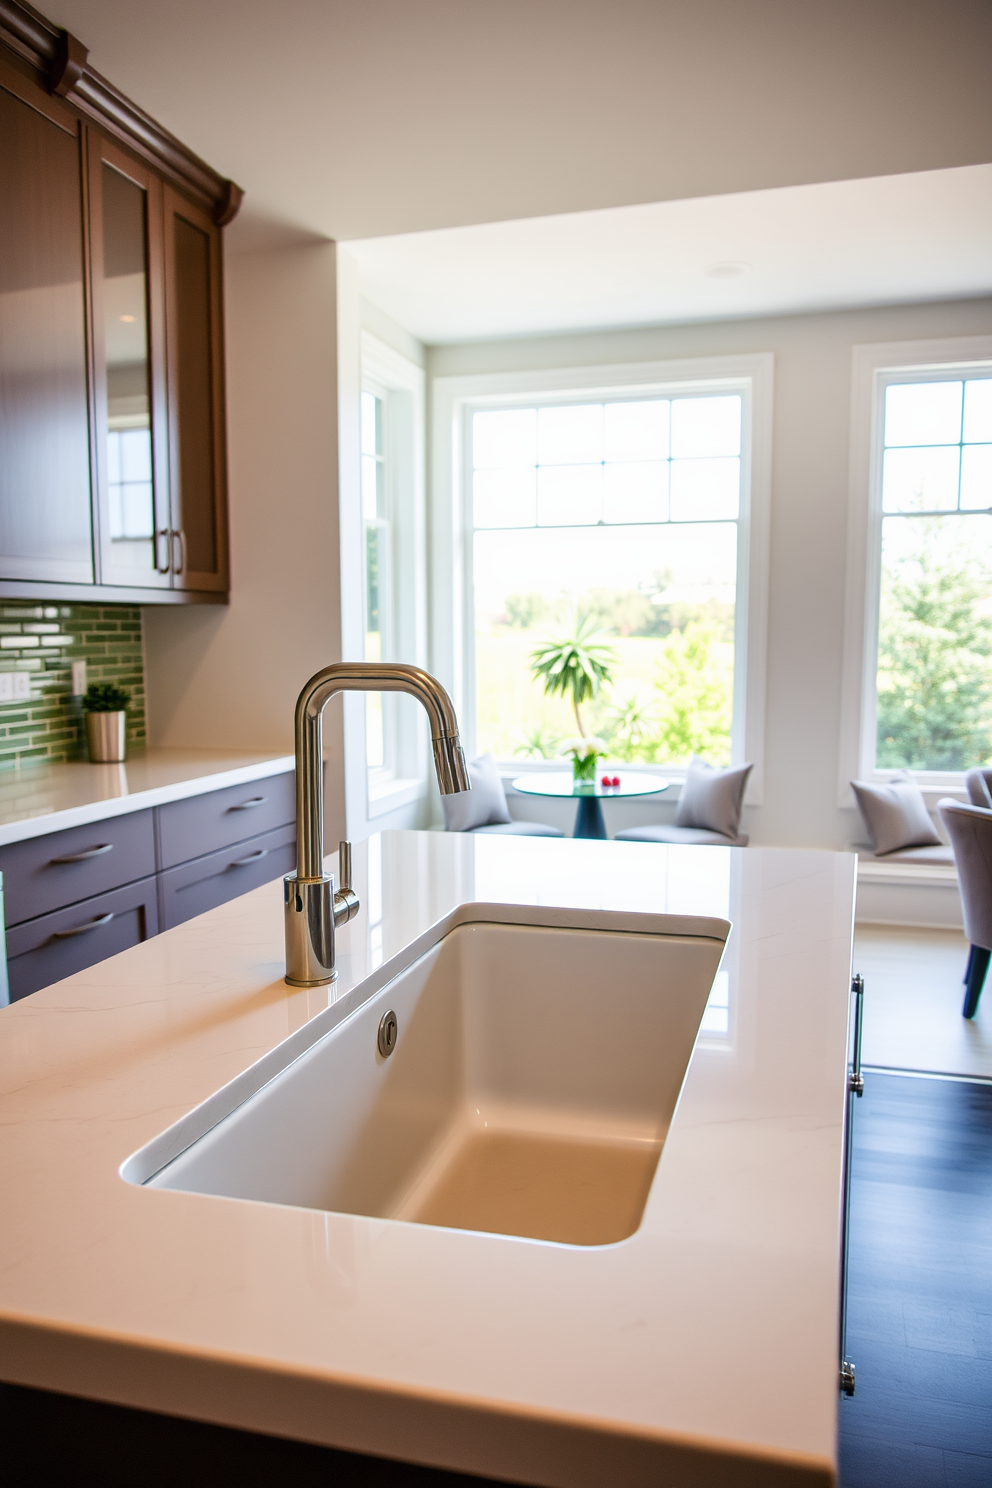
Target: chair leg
978	965
967	970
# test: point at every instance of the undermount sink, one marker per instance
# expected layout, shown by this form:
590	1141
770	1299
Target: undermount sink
527	1091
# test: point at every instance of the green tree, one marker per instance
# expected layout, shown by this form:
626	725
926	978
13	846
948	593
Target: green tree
934	650
574	665
696	685
524	611
631	727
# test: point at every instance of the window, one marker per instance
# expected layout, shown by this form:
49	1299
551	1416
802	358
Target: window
617	521
380	744
917	691
383	578
632	498
934	656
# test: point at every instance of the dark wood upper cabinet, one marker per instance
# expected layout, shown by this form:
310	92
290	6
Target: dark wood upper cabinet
112	447
130	402
196	393
45	509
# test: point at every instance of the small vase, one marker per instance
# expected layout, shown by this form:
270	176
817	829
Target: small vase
105	737
584	772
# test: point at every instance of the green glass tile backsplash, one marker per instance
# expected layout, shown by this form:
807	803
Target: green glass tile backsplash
42	642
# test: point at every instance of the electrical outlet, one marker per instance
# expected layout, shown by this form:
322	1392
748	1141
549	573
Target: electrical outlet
6	686
78	678
22	684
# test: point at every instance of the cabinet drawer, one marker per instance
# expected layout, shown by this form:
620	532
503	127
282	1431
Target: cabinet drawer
53	946
193	888
204	824
46	873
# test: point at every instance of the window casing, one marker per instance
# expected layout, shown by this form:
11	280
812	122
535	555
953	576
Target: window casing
920	519
742	382
384	585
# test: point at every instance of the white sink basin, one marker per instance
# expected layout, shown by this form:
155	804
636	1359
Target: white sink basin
533	1079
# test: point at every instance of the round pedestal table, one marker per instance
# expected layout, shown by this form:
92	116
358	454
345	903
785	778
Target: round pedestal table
589	814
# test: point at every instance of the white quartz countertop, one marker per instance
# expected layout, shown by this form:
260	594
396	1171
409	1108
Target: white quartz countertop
702	1349
38	799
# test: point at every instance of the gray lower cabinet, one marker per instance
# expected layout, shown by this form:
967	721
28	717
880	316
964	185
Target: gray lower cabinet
54	946
78	896
46	873
204	824
193	888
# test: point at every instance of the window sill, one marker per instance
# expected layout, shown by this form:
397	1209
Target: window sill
390	795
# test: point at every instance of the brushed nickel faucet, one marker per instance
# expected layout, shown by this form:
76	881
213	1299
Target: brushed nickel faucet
312	907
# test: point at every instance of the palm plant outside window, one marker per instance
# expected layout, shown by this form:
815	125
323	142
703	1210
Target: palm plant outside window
616	519
934	676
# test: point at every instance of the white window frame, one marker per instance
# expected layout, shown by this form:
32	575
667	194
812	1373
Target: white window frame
874	367
400	383
455	399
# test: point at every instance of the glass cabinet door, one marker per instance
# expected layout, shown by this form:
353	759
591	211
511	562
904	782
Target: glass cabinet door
128	326
45	474
197	460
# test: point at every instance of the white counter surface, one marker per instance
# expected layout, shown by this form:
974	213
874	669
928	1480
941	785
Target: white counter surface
38	799
703	1349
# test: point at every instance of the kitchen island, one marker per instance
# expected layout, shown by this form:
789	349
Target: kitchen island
702	1349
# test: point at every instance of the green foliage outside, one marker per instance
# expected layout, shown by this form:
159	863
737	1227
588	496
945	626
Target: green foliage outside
666	693
935	654
575	665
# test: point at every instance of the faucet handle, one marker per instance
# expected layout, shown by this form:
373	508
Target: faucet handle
344	866
346	901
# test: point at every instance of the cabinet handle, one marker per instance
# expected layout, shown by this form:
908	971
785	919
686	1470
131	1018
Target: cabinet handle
82	929
248	805
263	852
179	567
856	1080
82	857
163	568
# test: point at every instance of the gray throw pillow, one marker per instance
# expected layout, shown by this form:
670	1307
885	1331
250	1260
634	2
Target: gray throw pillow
896	814
712	798
482	806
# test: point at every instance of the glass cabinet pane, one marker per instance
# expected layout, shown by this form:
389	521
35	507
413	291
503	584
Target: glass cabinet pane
45	521
128	435
194	395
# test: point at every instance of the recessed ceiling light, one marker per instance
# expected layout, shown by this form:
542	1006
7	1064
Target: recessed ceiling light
129	319
729	269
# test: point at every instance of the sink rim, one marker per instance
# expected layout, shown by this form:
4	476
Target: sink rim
149	1159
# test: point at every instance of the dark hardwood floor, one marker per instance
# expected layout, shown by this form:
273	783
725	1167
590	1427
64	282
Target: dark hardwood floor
920	1287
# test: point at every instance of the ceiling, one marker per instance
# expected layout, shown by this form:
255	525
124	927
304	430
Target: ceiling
869	242
357	118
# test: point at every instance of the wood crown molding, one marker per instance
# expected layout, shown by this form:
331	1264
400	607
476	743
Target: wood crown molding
61	62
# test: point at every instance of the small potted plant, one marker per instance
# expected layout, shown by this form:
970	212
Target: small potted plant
584	753
105	708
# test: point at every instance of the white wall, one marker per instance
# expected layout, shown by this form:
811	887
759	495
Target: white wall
228	677
810	456
360	119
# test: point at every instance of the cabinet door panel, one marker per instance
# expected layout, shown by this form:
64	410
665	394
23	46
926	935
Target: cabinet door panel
131	416
45	950
202	824
195	887
45	499
46	873
197	456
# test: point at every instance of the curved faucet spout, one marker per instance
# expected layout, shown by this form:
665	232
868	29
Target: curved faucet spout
364	676
312	907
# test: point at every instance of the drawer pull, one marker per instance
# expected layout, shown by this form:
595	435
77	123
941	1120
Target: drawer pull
247	805
82	857
263	852
82	929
